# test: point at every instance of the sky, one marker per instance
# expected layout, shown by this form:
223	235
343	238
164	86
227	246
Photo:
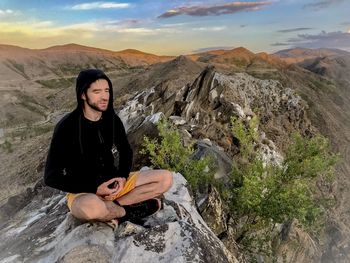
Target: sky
175	27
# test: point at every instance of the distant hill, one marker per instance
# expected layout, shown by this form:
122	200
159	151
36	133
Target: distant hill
238	58
6	50
336	67
296	55
67	60
331	63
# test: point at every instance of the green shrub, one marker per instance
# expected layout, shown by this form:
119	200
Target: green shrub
258	194
7	146
265	194
55	83
19	68
42	129
170	153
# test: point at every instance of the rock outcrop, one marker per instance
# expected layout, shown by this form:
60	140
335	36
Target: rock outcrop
44	231
204	108
202	111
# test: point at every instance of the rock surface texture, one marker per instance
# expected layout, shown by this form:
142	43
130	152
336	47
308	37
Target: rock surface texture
44	231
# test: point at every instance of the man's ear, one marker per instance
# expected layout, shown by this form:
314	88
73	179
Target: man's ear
83	96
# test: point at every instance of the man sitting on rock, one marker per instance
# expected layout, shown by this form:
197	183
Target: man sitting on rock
90	158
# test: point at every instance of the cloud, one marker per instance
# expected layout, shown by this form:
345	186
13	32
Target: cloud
87	30
336	39
210	28
83	27
279	44
42	24
320	4
215	10
206	49
27	27
100	5
294	29
138	30
175	25
6	13
123	26
105	26
118	24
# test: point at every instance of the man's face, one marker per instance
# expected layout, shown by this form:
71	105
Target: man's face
97	95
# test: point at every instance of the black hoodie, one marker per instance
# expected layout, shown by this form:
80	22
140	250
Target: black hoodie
80	156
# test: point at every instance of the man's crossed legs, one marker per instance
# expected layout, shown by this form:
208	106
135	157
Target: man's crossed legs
149	184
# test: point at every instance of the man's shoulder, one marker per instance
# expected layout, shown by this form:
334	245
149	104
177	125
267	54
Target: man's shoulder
68	122
117	119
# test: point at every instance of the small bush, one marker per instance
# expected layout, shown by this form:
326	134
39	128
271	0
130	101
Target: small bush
170	153
7	146
19	68
265	194
55	83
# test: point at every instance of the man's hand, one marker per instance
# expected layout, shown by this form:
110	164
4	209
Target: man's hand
110	193
104	190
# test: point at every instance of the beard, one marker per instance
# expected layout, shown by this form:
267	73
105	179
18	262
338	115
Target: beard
95	106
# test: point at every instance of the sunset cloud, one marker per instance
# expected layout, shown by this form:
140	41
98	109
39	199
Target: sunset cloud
85	30
320	4
100	5
27	27
336	39
206	49
215	10
277	44
294	29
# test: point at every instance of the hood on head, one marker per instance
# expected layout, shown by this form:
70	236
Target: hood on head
84	80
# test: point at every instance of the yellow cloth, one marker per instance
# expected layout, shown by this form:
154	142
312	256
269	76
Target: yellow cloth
129	186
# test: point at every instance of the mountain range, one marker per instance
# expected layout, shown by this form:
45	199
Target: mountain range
37	88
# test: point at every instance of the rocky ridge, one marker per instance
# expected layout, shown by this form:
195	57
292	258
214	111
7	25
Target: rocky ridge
207	105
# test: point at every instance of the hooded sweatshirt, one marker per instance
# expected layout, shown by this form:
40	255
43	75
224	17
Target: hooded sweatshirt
82	153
